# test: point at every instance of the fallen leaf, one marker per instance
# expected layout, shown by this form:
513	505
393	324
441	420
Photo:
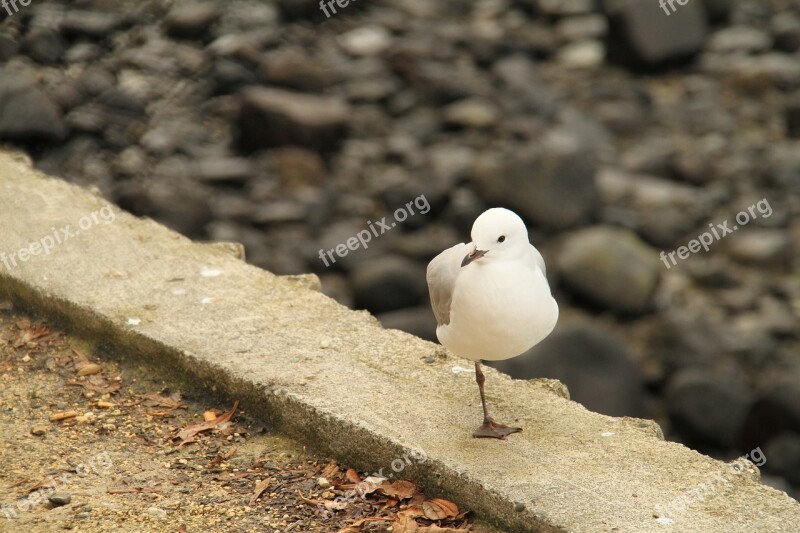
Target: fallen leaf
404	523
436	529
438	509
331	470
189	432
335	505
358	525
160	413
352	476
261	486
399	490
170	402
63	416
89	369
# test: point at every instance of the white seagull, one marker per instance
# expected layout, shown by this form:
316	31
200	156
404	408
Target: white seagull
491	298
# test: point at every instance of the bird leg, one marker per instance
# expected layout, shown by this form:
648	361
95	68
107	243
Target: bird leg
489	429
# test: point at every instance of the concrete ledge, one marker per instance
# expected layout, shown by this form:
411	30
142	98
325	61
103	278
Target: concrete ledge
334	379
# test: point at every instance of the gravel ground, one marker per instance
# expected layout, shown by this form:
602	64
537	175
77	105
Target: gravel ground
124	457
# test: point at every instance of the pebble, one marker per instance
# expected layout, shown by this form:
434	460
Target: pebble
156	512
60	498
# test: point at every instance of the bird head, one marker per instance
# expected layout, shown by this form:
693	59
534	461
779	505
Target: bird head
497	234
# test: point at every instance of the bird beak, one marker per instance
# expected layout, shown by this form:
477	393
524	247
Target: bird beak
472	256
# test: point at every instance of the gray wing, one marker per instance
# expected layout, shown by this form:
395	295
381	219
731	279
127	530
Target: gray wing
441	275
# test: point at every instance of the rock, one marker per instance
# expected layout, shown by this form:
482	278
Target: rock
177	205
775	411
296	69
707	410
718	11
624	117
9	46
388	283
594	364
369	40
565	8
611	267
271	117
26	113
792	118
784	166
740	39
230	76
418	321
785	28
641	34
471	113
60	498
783	457
223	170
268	214
661	210
43	45
91	24
582	54
191	22
582	28
681	340
426	243
761	246
157	512
550	183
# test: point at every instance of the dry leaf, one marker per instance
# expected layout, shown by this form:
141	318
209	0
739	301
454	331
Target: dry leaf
437	509
63	416
89	369
335	505
404	523
261	486
352	476
170	402
399	490
331	470
189	432
436	529
358	525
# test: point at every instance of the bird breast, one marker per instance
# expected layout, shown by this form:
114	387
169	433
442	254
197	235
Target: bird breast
499	310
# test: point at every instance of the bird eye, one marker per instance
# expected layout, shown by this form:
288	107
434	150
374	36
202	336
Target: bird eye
501	238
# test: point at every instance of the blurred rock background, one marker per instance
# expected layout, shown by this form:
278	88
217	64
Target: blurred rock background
616	130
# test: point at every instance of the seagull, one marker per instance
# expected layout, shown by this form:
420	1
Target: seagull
491	299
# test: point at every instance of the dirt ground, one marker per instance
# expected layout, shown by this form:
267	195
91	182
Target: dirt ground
98	445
